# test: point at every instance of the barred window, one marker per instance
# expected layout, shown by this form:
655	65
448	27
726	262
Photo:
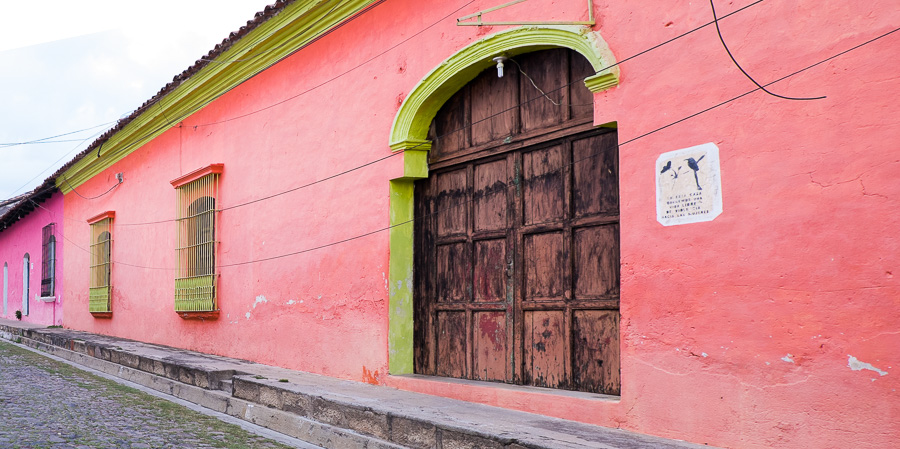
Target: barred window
195	278
99	301
48	261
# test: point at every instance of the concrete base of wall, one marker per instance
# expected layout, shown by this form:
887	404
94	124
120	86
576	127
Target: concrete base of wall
321	410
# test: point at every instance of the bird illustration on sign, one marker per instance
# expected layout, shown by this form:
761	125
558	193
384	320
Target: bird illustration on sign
693	164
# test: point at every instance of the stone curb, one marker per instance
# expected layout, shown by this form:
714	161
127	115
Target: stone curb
326	411
277	420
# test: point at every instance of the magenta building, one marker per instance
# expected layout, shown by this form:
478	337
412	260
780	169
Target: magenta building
31	253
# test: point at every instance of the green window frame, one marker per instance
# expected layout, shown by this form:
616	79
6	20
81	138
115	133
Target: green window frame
100	287
197	219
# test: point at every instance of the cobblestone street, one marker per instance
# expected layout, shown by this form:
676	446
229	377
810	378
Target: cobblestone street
48	404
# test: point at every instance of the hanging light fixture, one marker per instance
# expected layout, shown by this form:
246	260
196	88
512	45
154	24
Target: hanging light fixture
499	60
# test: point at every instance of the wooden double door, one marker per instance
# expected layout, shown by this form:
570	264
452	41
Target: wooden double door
517	265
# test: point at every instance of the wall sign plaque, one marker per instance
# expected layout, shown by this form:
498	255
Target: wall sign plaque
688	185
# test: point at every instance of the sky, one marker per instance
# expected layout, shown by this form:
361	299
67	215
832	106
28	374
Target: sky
70	65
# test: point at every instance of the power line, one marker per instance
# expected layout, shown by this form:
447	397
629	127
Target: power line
91	197
56	162
566	165
47	139
359	236
722	39
340	74
445	134
12	144
199	105
193	108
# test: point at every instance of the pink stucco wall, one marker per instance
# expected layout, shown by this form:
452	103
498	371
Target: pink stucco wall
24	237
767	327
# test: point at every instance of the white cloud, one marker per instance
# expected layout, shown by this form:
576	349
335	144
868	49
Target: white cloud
73	65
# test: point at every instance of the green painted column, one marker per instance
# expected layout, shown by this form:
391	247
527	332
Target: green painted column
400	332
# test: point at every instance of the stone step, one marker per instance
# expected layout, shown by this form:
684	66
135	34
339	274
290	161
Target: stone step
422	421
324	410
188	367
311	431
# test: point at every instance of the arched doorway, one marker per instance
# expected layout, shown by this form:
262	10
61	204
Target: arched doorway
516	263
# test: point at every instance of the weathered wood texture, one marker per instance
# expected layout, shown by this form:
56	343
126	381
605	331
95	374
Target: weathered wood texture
517	247
490	110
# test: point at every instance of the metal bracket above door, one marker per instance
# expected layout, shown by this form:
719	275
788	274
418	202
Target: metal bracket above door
464	20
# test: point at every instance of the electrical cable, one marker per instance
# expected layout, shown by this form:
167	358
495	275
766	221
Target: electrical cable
722	39
532	82
57	161
393	154
566	165
444	135
359	236
47	139
198	106
12	144
193	108
338	75
439	137
92	197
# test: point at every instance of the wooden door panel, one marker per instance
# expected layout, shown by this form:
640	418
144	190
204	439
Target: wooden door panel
544	181
493	106
451	353
490	196
545	262
454	267
451	205
596	261
490	270
451	130
595	351
582	98
423	279
489	339
545	349
547	71
595	170
492	111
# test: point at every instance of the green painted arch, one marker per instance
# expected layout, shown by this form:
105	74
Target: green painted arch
411	124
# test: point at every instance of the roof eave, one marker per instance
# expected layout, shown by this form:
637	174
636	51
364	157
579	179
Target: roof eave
273	35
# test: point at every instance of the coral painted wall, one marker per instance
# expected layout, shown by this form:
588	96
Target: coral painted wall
774	325
24	237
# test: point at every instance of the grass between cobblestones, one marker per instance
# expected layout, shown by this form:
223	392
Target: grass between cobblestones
48	404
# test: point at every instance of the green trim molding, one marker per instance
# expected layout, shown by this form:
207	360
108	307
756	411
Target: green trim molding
409	134
270	42
400	288
196	294
98	299
410	128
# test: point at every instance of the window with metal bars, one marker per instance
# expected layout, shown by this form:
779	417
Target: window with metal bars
99	301
48	261
195	278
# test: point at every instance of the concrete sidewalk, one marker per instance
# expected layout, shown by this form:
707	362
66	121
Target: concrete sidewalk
325	411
